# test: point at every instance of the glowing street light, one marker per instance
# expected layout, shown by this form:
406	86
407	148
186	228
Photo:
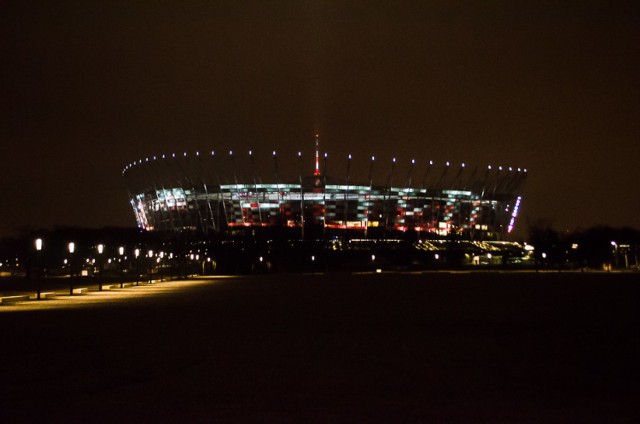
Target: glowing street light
72	248
150	256
38	244
136	253
121	252
160	261
100	268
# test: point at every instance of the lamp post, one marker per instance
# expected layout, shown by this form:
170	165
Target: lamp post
161	263
121	252
150	256
170	266
136	253
100	250
72	249
38	273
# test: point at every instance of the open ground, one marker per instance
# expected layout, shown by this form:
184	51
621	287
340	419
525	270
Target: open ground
411	347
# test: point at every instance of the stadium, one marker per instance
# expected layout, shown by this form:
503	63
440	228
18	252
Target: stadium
260	208
230	194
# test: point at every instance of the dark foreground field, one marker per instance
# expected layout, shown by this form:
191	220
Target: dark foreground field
436	347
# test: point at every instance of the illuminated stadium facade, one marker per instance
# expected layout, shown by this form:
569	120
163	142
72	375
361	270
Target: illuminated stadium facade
213	194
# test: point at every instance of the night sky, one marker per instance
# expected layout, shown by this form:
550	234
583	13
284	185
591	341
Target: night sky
552	86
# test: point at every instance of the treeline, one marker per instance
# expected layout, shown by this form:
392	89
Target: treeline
596	247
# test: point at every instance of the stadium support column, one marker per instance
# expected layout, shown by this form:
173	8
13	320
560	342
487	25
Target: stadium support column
423	185
220	193
301	196
388	196
205	181
346	194
366	219
235	179
324	197
409	191
255	183
280	208
410	174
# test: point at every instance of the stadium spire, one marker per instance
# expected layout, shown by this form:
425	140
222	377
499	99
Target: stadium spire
317	171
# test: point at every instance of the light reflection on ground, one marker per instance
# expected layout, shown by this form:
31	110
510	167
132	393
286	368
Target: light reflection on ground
105	297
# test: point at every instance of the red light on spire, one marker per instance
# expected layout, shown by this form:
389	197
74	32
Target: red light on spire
317	171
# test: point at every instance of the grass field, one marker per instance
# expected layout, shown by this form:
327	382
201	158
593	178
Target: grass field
433	347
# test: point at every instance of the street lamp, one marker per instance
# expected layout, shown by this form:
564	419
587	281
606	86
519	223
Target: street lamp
38	249
136	253
72	249
170	266
121	252
150	256
100	250
161	263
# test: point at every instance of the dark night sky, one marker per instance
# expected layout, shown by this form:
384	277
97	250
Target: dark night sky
553	86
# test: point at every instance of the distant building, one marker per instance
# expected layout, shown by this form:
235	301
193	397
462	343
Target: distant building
231	194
